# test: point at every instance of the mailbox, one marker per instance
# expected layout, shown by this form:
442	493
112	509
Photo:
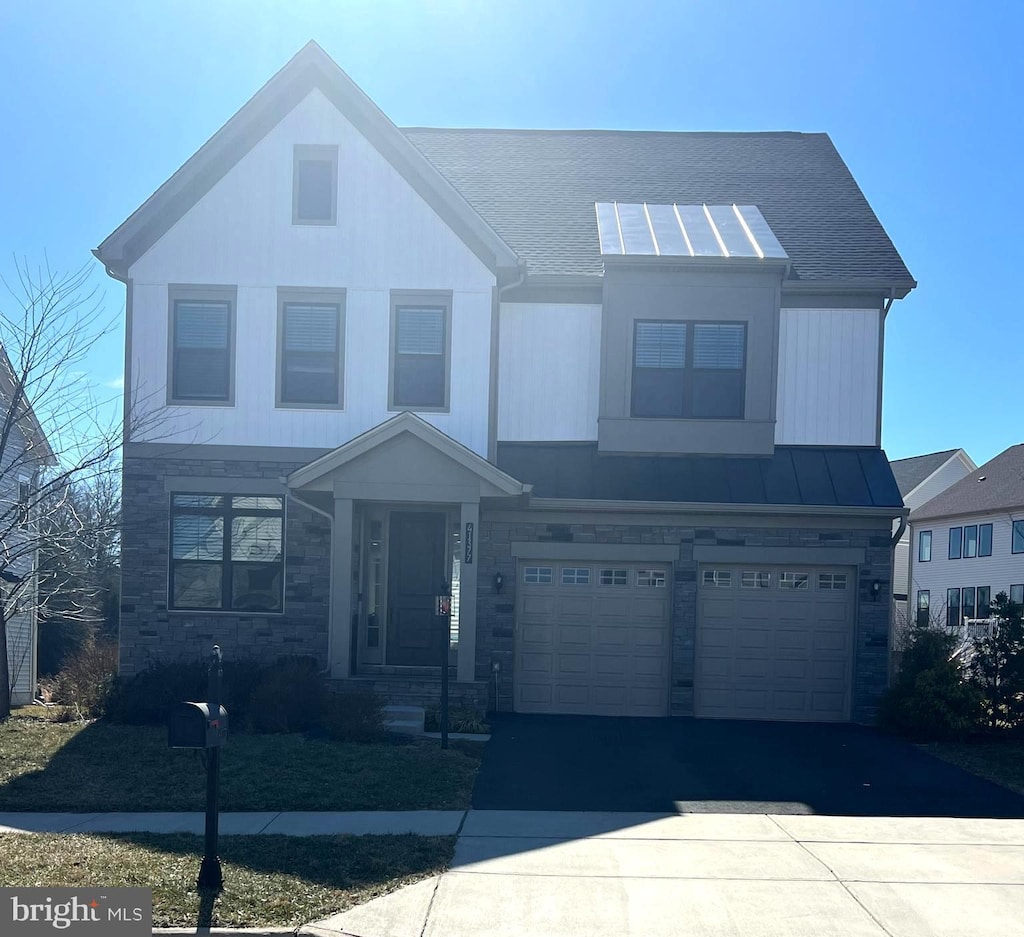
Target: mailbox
190	725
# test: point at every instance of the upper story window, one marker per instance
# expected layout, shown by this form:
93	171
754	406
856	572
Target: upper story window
202	340
924	546
924	597
420	350
315	185
24	502
970	541
956	540
1017	538
984	540
310	349
689	370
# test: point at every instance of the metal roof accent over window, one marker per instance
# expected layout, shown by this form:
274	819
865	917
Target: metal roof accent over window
699	231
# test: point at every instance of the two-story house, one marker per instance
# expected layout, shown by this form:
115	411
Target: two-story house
968	544
619	391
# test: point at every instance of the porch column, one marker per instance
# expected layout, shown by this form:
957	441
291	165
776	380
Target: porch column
341	589
467	592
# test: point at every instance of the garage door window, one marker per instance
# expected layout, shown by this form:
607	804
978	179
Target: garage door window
614	577
575	576
755	579
794	581
537	574
834	582
653	578
718	578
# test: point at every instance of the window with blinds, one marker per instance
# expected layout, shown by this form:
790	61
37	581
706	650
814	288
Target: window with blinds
689	370
201	363
419	351
310	354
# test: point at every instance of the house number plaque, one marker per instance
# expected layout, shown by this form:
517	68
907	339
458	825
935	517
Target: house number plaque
468	542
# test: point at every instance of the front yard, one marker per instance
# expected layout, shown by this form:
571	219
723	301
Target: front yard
999	760
268	880
101	767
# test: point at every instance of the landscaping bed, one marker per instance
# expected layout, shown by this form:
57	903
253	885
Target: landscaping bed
102	767
268	880
999	759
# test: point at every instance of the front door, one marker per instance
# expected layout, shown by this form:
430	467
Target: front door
416	573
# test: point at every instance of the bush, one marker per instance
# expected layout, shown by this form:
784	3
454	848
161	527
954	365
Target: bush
60	640
354	716
86	683
287	697
997	666
460	719
930	699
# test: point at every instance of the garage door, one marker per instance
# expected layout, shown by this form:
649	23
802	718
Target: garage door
774	643
592	638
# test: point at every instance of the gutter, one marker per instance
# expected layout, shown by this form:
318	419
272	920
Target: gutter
709	507
900	530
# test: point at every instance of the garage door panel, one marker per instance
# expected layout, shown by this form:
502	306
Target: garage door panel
536	606
752	639
535	692
647	638
572	636
750	668
573	664
533	663
830	641
537	635
610	637
575	607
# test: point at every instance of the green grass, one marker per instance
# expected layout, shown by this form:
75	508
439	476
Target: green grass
999	760
100	767
268	880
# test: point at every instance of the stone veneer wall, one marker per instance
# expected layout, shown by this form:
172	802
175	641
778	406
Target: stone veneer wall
496	613
150	633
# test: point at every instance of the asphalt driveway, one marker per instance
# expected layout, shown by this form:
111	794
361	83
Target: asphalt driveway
714	766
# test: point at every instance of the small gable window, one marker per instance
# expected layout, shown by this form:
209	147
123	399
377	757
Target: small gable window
315	185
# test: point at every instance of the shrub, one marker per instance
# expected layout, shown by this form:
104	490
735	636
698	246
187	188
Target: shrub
60	639
287	697
997	666
460	719
354	716
86	683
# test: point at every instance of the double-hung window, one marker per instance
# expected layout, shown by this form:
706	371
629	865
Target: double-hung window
924	546
970	541
311	350
420	348
1017	594
1017	538
984	540
984	601
315	185
968	594
953	607
956	539
227	552
924	597
689	370
202	340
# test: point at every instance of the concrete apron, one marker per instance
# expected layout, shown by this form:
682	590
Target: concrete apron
518	874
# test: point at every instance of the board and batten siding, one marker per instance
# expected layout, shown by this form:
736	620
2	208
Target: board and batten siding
998	571
549	371
828	377
241	234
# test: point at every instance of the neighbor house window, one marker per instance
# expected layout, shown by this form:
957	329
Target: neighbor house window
315	185
967	602
956	538
24	502
310	351
202	338
227	552
985	540
984	601
689	370
420	343
924	546
1017	594
970	541
924	597
1017	540
952	607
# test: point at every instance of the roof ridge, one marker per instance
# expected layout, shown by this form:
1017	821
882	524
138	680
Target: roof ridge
613	131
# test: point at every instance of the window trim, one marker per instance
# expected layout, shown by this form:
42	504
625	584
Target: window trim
198	293
227	512
926	608
687	369
315	152
1013	529
959	542
981	529
401	298
920	546
315	296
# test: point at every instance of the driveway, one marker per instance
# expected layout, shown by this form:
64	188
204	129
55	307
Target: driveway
584	763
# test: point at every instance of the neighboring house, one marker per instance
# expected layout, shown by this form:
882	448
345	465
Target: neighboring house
968	543
920	478
621	390
25	452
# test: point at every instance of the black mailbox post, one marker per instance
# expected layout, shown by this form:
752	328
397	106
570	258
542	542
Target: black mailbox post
190	725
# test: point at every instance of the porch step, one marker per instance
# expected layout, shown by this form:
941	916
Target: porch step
409	720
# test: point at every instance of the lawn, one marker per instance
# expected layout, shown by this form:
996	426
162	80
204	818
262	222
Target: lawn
100	767
268	880
999	760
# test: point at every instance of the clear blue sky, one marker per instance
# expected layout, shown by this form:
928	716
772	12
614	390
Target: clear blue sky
103	100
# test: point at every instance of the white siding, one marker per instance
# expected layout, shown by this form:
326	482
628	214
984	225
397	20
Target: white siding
828	377
240	233
999	571
548	371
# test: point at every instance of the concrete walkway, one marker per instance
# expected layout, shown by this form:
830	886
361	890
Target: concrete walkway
557	874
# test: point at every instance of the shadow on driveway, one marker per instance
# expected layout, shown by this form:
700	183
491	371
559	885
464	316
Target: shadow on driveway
716	766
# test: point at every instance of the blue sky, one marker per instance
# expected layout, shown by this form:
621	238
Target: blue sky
104	100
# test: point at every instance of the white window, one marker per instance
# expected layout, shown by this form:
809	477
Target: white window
575	576
718	578
755	579
614	577
537	574
794	581
832	582
652	578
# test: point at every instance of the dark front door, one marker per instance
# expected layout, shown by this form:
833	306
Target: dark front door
416	573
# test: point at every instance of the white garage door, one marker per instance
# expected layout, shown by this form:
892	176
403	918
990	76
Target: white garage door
592	638
774	643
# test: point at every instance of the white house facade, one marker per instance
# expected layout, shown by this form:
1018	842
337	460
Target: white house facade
632	426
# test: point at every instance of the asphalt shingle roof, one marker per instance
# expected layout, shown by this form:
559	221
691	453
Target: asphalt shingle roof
909	473
1002	487
537	189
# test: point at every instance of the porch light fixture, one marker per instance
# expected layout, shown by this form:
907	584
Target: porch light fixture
499	582
876	587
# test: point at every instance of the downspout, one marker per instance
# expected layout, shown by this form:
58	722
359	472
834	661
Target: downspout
495	355
900	531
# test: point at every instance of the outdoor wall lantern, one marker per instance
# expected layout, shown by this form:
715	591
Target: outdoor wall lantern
876	588
499	582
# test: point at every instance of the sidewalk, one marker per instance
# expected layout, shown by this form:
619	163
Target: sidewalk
296	823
